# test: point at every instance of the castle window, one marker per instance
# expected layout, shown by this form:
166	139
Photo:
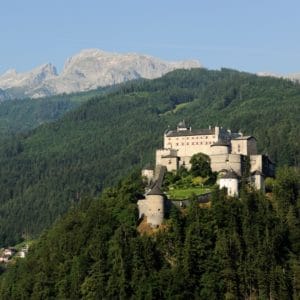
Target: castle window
192	143
182	144
187	143
192	137
239	148
169	162
177	144
206	137
187	138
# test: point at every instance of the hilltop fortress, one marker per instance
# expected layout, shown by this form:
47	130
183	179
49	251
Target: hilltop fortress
228	151
232	155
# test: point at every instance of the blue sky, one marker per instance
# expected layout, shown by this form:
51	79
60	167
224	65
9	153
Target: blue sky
257	35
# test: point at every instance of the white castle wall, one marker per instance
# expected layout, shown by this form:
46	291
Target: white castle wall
185	162
218	150
227	162
231	184
191	144
167	158
187	146
259	182
256	162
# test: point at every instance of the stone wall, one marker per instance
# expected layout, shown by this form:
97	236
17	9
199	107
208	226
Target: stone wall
244	146
227	162
231	184
189	145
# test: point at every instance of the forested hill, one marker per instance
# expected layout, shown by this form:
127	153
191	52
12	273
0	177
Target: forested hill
56	165
247	248
22	115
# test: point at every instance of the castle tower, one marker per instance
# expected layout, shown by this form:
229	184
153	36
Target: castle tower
155	206
245	145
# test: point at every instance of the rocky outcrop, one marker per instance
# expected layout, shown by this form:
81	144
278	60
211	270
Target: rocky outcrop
89	69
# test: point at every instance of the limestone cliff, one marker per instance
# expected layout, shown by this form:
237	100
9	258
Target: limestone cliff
89	69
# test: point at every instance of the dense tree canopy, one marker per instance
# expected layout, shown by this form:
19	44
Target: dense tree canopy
236	249
200	165
23	115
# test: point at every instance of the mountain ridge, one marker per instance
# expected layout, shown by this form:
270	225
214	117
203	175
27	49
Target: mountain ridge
87	70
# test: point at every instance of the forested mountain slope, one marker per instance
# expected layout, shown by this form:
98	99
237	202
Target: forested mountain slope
21	115
57	164
247	248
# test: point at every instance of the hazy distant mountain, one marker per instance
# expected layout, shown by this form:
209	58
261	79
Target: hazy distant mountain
269	74
87	70
292	76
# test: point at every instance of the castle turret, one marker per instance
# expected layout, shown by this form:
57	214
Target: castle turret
230	181
181	126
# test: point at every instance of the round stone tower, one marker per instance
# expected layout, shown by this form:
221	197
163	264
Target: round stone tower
155	205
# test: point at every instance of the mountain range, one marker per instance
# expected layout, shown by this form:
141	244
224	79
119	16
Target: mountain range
87	70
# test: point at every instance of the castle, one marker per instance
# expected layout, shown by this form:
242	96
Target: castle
232	155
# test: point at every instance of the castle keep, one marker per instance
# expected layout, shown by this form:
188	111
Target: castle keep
227	150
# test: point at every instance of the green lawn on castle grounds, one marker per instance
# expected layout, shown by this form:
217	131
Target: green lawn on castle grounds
185	193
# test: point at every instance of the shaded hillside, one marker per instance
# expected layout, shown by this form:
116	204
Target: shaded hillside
24	115
55	165
236	249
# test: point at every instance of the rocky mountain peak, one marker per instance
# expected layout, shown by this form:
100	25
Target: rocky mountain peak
48	69
89	69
